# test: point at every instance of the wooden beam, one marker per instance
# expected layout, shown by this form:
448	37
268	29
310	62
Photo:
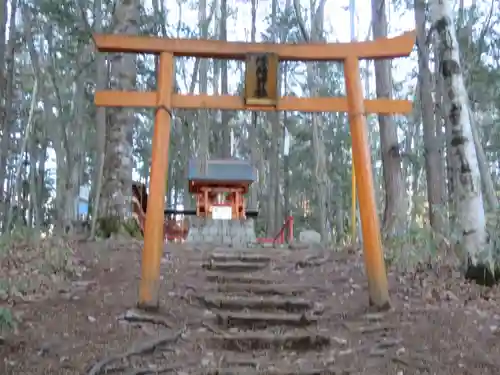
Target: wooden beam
383	48
236	103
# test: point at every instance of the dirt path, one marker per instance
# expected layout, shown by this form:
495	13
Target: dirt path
269	312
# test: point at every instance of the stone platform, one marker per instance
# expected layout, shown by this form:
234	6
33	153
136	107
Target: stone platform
237	233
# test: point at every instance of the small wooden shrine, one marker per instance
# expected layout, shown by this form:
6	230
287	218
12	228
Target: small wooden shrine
219	186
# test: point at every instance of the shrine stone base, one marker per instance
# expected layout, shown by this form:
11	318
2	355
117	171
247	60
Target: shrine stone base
234	233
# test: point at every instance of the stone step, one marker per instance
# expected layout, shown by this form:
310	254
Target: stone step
250	250
262	289
236	266
221	277
297	340
267	359
225	302
244	370
258	320
240	256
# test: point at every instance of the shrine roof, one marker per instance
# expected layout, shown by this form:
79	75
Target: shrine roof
227	170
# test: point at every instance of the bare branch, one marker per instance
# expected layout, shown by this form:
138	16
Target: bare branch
300	21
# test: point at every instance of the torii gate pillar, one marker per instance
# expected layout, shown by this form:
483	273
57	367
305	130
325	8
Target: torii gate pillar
378	290
149	286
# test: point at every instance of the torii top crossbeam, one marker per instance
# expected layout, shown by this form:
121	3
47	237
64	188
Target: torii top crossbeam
399	46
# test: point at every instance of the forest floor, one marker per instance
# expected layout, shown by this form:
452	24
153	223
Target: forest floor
77	316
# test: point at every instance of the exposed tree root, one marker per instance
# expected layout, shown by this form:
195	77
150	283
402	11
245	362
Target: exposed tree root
137	316
160	370
312	261
482	274
141	348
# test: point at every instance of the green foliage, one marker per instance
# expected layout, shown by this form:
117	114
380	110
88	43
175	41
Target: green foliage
260	229
113	225
492	250
6	319
132	228
418	245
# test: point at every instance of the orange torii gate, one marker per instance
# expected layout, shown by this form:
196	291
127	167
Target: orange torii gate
258	55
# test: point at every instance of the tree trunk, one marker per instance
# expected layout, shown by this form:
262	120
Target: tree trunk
203	115
6	91
322	179
487	182
3	75
468	196
100	118
396	205
27	132
273	122
42	195
252	129
225	115
443	134
34	204
118	163
431	142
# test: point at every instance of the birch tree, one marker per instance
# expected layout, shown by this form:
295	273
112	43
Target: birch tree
468	197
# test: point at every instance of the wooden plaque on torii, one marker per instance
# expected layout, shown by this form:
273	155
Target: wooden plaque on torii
261	79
